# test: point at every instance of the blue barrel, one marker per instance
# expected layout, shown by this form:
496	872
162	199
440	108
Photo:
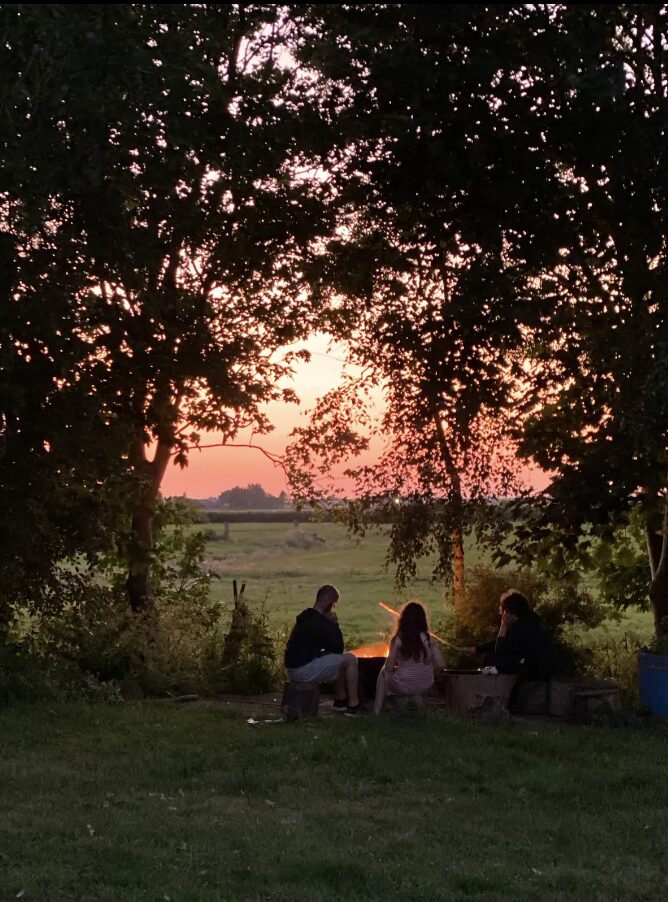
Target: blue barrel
653	682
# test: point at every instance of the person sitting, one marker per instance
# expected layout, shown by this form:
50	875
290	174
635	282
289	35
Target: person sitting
314	652
521	646
413	655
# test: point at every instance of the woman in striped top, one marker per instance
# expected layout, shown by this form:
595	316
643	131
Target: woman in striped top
413	656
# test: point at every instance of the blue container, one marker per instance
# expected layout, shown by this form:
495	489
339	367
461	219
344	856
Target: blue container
653	682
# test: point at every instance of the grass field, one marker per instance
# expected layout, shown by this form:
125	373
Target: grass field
141	803
284	566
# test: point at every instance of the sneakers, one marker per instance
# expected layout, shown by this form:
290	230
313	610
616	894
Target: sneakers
342	707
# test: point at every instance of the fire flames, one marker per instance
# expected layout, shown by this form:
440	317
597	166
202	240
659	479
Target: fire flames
379	650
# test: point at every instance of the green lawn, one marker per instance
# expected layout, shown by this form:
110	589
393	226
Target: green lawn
152	802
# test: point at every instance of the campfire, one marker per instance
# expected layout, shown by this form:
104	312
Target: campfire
379	650
371	659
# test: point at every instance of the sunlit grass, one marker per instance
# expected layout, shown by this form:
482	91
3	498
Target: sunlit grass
282	573
283	568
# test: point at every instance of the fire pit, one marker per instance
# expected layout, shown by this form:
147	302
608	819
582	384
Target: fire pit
370	661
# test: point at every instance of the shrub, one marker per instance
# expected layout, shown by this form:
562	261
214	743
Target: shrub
256	664
616	659
276	516
26	677
85	619
83	637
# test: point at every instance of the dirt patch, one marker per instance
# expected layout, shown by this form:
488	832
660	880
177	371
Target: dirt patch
304	541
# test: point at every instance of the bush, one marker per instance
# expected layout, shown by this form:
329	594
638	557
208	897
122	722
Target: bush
616	659
85	621
256	664
83	636
275	516
177	647
26	677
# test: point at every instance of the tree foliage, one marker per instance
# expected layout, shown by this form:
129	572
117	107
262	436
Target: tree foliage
473	196
602	426
252	497
434	262
158	212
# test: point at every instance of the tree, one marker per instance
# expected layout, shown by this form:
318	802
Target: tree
158	213
252	497
602	425
434	262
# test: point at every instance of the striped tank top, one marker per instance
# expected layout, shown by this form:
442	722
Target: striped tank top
411	677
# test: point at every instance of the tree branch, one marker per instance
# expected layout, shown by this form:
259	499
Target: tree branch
276	459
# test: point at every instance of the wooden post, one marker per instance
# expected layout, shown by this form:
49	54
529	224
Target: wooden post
237	631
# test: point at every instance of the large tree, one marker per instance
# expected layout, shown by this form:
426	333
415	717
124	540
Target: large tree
435	260
159	207
602	427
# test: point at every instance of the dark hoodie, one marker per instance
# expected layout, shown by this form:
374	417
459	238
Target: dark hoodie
524	649
311	635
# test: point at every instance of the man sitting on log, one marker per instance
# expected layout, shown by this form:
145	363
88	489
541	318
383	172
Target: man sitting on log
314	653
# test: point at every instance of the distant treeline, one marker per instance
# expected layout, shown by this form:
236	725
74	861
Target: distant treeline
251	497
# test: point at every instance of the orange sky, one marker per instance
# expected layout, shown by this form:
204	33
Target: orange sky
213	470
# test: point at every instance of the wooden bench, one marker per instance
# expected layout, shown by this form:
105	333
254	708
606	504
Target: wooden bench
300	700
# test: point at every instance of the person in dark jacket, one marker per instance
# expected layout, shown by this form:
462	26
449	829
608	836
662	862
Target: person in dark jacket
314	653
521	646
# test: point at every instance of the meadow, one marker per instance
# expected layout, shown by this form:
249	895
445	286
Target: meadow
150	801
283	565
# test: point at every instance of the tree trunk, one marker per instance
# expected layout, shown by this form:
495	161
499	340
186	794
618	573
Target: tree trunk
458	569
138	583
657	547
457	539
658	593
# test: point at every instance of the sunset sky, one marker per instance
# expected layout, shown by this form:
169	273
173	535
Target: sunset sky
213	470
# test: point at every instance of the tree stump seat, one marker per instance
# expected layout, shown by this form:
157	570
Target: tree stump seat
467	692
531	697
596	700
300	700
407	704
577	699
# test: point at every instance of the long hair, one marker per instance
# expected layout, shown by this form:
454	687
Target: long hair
411	624
516	603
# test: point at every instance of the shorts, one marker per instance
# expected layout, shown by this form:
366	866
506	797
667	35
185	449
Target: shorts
320	670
